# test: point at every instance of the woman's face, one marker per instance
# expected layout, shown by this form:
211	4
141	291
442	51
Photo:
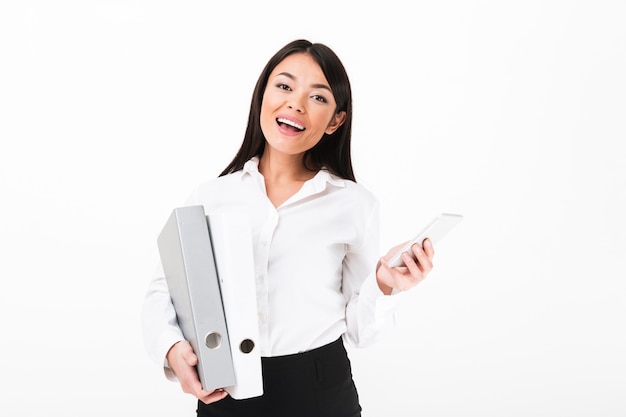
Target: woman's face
298	106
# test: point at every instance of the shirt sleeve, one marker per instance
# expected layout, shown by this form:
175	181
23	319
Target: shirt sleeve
369	312
158	321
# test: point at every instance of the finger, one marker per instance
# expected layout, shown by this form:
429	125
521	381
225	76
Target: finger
191	384
212	396
415	274
423	260
428	248
191	359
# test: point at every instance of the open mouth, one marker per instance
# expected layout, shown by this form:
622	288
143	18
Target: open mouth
290	124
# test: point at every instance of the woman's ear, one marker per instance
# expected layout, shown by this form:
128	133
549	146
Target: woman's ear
336	122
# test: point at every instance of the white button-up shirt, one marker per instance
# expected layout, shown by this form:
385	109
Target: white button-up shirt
315	258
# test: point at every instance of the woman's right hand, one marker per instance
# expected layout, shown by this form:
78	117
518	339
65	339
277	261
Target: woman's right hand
183	360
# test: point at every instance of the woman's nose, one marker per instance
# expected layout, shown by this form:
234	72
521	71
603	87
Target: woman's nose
296	103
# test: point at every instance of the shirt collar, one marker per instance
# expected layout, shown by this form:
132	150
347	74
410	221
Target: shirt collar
318	182
251	167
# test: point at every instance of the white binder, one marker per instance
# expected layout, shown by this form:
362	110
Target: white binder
231	235
187	257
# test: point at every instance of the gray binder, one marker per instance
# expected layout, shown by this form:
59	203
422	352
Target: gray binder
187	257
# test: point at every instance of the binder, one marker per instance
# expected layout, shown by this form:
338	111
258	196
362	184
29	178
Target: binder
187	256
231	235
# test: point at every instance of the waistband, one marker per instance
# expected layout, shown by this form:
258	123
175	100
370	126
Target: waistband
332	349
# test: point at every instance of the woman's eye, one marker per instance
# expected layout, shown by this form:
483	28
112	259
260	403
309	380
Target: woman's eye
319	98
283	87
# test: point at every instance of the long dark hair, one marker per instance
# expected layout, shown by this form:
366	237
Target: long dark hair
332	152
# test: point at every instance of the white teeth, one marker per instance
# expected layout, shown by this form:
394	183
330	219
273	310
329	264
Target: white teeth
290	123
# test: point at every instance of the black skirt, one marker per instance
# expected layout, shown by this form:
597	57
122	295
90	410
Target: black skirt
317	383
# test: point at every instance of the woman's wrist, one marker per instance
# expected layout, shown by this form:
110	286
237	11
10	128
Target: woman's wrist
386	289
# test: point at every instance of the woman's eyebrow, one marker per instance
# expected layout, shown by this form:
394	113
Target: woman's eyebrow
292	77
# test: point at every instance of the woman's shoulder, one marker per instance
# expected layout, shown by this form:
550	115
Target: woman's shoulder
358	189
220	181
215	186
355	195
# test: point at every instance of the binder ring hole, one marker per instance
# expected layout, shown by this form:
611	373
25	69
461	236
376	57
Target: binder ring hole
213	340
246	346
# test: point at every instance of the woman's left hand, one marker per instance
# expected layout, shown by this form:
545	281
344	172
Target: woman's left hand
405	277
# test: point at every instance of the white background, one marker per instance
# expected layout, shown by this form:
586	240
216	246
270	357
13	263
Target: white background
511	113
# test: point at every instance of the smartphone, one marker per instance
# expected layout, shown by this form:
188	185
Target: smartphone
435	230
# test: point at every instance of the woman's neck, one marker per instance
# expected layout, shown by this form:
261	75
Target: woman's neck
284	168
284	176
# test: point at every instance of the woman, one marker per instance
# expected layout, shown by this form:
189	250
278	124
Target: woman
315	233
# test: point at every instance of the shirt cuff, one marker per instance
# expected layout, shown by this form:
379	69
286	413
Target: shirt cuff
384	305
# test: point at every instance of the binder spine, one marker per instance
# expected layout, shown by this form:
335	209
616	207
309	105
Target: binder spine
231	234
187	257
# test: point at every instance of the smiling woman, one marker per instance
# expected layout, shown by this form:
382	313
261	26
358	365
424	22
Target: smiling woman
320	279
298	107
